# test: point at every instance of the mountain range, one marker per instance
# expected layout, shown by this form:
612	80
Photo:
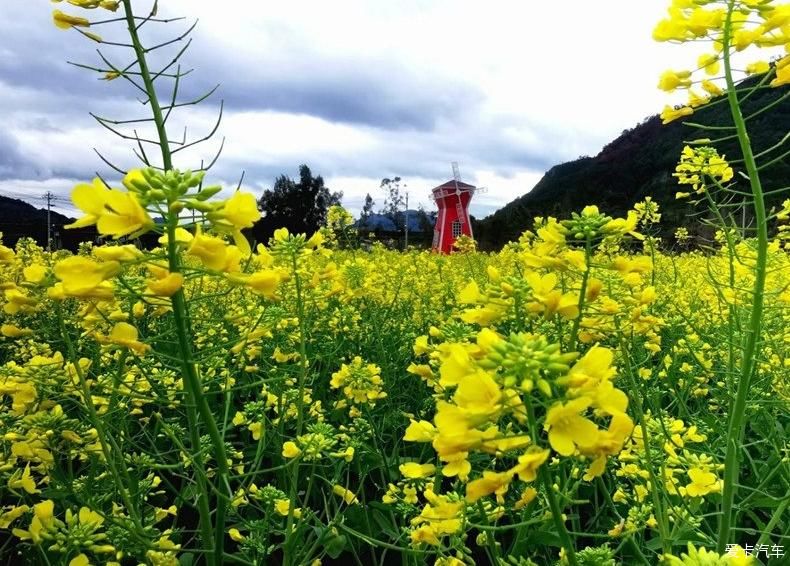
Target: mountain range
640	163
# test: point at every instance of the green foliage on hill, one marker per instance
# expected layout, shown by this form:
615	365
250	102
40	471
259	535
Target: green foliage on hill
640	163
19	219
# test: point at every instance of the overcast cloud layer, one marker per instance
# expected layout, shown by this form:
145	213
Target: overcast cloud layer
358	90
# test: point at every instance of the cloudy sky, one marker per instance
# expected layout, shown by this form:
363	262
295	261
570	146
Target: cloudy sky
358	90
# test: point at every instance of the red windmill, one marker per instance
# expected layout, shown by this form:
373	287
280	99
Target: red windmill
452	198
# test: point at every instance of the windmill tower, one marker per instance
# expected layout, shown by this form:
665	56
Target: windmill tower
452	199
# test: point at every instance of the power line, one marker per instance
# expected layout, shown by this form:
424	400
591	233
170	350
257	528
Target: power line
15	194
61	204
49	197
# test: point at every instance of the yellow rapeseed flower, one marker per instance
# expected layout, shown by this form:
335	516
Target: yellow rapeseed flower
125	335
84	278
238	212
23	481
670	114
478	395
115	213
123	216
214	252
34	273
290	450
413	470
235	535
8	517
782	73
91	200
43	519
419	431
347	495
166	286
12	331
529	462
671	80
66	21
567	428
491	482
702	483
128	252
264	282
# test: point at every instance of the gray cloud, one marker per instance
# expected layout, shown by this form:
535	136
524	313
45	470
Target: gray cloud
422	120
373	92
376	93
13	164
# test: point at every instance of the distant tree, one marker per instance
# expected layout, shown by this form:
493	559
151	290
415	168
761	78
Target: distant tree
394	201
425	220
367	210
299	206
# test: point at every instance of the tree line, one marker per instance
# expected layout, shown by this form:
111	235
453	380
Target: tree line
301	205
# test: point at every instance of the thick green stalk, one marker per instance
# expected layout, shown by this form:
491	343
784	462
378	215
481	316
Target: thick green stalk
199	406
148	82
197	400
775	518
730	307
204	510
750	350
574	337
288	557
548	488
196	456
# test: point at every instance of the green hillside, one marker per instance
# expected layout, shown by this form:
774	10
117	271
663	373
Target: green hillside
640	163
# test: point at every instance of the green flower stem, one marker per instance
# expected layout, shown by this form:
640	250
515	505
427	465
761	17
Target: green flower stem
548	488
196	458
491	544
638	551
574	337
777	515
652	260
556	515
607	496
197	405
110	450
148	82
731	318
299	404
661	517
752	333
199	412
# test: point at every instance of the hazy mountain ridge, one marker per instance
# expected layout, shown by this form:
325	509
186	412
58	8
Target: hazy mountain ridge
640	163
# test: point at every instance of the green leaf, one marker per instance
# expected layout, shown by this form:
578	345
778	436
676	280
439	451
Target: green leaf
335	546
383	524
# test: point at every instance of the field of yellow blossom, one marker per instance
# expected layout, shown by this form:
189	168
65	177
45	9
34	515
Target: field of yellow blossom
479	408
587	396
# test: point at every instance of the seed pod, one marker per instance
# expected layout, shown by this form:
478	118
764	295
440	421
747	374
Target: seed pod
207	192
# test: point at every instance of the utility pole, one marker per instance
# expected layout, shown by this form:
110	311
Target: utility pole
406	224
49	198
